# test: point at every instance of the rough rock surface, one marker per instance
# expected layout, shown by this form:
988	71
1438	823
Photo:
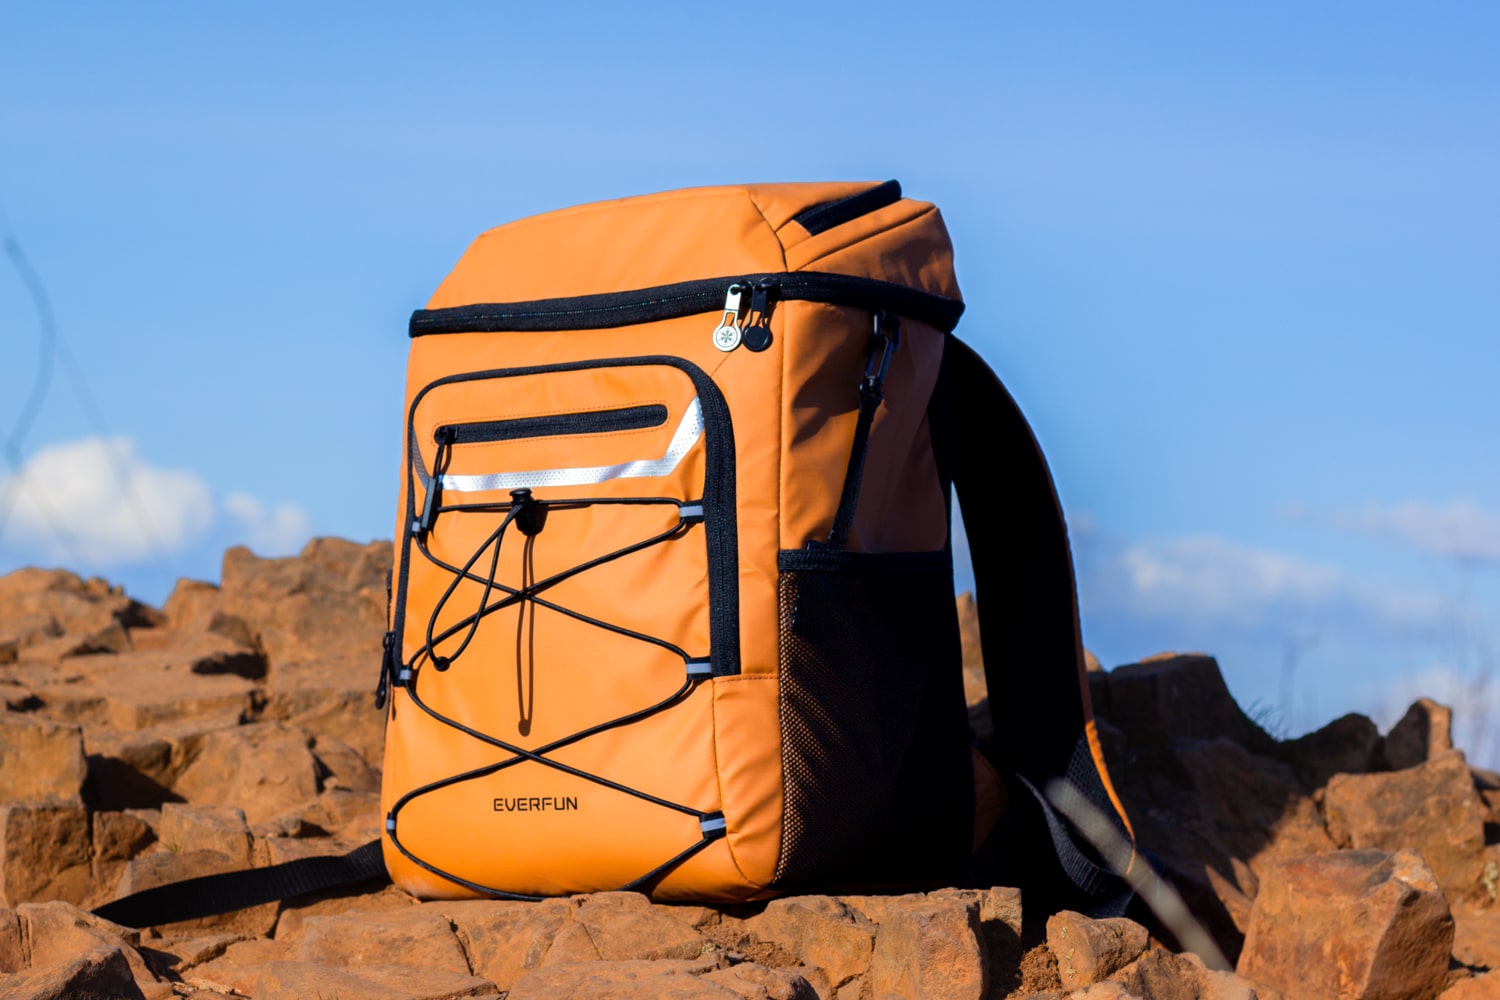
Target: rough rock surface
233	729
1359	924
1432	808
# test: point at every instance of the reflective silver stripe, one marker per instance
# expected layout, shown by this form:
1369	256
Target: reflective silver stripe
713	824
689	430
700	668
689	510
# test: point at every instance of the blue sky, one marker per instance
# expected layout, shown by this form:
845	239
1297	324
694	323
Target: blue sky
1239	265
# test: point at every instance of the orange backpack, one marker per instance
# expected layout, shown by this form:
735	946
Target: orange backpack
673	606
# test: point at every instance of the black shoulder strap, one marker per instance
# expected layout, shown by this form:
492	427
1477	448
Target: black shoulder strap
1028	614
210	894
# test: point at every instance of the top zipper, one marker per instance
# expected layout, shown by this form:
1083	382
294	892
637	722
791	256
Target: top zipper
685	298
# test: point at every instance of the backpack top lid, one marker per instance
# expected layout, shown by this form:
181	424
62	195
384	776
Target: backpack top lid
858	228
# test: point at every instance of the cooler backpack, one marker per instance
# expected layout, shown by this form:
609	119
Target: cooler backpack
673	606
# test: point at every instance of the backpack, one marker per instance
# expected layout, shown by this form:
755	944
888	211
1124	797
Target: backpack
673	605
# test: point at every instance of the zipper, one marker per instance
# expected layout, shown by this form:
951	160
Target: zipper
625	418
821	218
686	298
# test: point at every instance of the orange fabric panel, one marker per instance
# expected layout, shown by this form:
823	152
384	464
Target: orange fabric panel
824	368
614	247
747	730
915	252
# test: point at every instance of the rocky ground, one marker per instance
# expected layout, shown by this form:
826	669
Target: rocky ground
233	728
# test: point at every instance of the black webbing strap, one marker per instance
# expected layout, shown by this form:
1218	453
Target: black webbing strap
207	895
1027	601
886	338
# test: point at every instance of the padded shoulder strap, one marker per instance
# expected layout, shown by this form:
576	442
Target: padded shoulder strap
1028	614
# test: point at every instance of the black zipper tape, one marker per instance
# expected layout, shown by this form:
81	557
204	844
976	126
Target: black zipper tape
625	418
685	298
821	218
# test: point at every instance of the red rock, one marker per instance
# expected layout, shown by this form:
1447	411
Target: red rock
505	940
341	766
834	942
72	604
1217	814
1485	987
1177	697
12	954
751	980
175	956
417	937
56	933
187	827
1162	975
98	975
1424	733
1347	745
143	689
40	760
296	911
1089	951
266	769
1432	809
44	852
663	980
1476	934
1355	924
620	926
120	836
286	980
929	946
319	618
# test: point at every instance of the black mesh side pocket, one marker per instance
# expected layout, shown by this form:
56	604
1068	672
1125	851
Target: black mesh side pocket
874	735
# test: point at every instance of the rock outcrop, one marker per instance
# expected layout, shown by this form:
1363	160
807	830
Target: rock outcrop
232	728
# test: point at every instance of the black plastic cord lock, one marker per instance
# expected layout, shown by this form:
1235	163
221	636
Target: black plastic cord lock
530	513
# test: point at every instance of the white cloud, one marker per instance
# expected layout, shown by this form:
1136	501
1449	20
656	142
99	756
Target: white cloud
97	502
269	531
1209	579
1461	529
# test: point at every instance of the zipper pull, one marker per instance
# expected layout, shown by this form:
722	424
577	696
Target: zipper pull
727	333
757	333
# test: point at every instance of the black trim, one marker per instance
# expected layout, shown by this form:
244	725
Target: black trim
625	418
720	518
649	305
821	218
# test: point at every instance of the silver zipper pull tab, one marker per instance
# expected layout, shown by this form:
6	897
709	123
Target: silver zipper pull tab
727	333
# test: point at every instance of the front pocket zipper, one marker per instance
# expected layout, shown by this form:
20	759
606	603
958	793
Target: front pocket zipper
625	418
